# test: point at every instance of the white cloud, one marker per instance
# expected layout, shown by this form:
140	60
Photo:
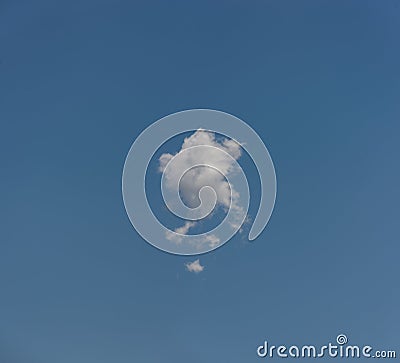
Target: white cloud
194	266
193	180
181	230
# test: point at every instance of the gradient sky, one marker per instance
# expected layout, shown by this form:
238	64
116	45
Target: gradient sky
79	80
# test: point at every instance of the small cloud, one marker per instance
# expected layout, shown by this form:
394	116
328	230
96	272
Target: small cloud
181	231
185	228
245	224
194	266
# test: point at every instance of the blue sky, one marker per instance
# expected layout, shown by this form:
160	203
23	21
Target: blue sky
319	81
